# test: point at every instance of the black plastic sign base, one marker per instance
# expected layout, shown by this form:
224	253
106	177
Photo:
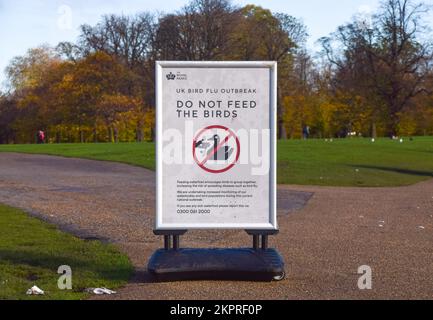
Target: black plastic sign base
216	264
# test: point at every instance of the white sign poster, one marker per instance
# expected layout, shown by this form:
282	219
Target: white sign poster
216	145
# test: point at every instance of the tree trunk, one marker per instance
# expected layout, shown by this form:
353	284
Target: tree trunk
282	133
110	134
373	130
116	134
393	126
152	134
139	134
95	135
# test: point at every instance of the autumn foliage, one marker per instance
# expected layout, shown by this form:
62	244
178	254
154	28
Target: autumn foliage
374	76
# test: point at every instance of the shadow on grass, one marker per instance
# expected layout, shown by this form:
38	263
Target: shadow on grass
396	170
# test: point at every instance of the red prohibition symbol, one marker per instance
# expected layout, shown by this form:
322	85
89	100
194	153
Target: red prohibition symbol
214	149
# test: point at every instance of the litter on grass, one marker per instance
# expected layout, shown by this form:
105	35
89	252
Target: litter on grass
35	291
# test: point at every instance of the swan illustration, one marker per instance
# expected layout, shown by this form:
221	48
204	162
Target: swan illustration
222	153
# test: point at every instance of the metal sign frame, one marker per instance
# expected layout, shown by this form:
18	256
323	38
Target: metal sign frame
272	66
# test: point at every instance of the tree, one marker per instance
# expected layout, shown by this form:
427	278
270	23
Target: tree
90	80
403	57
128	38
30	77
131	40
261	35
199	31
27	71
111	107
386	63
8	114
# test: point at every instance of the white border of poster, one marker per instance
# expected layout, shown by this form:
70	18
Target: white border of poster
272	66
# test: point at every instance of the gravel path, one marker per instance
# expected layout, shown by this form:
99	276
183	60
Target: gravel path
323	243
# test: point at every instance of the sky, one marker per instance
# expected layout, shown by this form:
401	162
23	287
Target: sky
29	23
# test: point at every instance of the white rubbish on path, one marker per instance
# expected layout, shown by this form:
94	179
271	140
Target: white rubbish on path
100	291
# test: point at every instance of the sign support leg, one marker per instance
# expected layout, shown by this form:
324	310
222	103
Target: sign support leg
176	242
262	235
256	239
168	236
167	242
264	242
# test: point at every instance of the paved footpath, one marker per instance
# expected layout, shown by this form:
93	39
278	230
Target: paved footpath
326	232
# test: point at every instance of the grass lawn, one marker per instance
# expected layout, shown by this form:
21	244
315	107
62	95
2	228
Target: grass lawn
355	162
32	250
140	154
343	162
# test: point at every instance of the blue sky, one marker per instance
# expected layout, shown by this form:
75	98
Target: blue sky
30	23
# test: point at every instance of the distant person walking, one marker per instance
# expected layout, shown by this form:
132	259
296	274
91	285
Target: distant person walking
40	137
306	132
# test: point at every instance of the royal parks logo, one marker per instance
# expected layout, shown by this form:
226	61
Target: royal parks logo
171	76
178	76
